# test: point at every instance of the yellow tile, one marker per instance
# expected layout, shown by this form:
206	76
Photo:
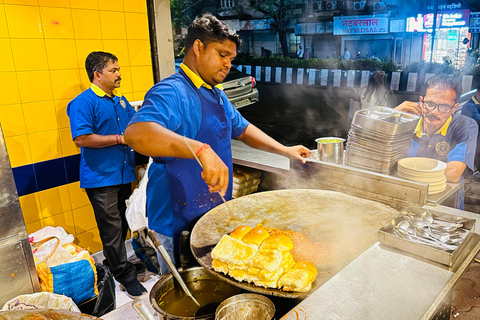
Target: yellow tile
86	24
35	86
113	25
23	57
12	120
110	5
3	23
137	26
139	51
84	219
135	6
84	47
139	96
24	21
128	96
61	53
25	2
34	226
90	240
61	109
40	116
45	145
142	78
84	4
66	83
68	146
57	23
9	85
18	148
61	220
6	56
126	84
78	196
54	3
84	81
54	201
120	49
31	209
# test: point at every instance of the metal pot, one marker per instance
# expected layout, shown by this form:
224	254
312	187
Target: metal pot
330	149
205	287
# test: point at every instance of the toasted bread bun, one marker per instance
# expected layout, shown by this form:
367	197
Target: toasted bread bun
233	251
220	266
294	280
269	260
238	274
287	260
278	242
239	232
266	284
310	267
223	249
256	235
255	274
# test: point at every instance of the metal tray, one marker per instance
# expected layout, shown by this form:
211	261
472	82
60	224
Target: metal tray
386	236
386	120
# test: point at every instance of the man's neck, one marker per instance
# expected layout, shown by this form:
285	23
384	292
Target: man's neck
477	95
109	92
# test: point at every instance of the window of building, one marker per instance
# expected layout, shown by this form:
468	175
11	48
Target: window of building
226	4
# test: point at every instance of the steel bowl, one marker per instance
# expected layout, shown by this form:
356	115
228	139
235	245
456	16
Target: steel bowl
330	149
246	306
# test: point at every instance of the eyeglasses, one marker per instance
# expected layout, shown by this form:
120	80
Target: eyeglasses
443	108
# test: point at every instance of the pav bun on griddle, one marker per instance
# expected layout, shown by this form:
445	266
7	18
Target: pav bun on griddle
278	242
239	232
295	280
256	235
310	267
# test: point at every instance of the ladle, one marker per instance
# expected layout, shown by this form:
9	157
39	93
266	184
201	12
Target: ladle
163	252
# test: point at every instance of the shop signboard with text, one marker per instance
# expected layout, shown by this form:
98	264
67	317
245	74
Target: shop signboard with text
363	25
445	20
474	22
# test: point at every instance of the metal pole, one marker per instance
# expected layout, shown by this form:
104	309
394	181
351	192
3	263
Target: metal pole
434	27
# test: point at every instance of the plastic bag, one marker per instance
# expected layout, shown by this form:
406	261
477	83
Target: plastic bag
105	301
136	206
48	232
41	301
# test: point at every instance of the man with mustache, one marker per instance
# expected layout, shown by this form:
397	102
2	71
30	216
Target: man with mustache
189	109
441	134
98	119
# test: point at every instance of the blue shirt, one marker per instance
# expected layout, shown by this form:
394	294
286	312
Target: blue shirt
94	112
456	140
174	104
471	109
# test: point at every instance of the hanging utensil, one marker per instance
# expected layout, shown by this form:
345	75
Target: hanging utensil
163	252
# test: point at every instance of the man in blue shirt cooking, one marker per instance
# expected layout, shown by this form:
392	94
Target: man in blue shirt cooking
98	118
190	109
441	134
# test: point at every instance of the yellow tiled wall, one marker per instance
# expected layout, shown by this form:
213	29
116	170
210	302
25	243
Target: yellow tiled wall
44	45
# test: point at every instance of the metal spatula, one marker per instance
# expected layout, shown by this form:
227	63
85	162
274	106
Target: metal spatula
163	252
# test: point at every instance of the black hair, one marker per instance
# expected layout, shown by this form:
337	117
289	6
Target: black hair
97	61
375	90
207	29
443	82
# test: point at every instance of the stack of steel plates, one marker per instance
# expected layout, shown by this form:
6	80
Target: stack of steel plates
378	138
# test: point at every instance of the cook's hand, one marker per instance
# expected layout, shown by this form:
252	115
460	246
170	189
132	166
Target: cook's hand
298	152
215	172
410	107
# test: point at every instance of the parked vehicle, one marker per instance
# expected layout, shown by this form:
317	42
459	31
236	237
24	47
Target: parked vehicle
239	87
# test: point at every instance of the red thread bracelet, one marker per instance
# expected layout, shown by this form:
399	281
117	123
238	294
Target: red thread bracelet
201	149
118	139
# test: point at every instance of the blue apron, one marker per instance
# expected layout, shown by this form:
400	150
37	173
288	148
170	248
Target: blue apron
190	197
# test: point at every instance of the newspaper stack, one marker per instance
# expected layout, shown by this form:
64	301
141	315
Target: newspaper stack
245	181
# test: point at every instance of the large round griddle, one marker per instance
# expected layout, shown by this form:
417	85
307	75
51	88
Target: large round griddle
347	224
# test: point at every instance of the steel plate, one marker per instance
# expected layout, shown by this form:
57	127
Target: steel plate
344	224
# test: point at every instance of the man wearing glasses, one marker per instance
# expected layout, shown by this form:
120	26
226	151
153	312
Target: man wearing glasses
441	134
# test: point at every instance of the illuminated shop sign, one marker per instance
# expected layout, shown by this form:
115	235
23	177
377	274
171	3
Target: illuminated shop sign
366	25
474	22
450	19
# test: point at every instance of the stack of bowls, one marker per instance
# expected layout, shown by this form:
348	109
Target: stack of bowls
378	138
424	170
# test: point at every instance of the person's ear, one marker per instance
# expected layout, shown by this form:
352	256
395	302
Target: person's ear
198	47
96	75
455	106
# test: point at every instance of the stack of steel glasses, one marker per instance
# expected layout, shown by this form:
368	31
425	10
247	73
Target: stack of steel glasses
378	138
